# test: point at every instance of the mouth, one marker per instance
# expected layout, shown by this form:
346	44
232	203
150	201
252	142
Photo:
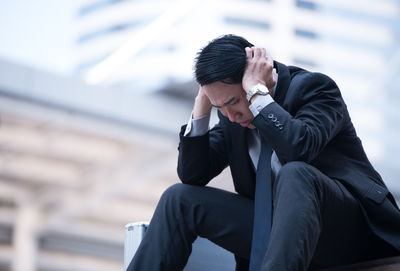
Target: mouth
245	123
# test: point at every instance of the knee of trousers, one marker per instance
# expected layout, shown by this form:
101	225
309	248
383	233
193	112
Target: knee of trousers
179	202
297	176
175	196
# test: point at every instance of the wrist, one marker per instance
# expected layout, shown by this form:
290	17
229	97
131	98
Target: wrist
249	87
202	107
258	89
255	96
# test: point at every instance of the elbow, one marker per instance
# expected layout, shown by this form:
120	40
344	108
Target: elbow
184	178
302	149
295	157
301	154
188	177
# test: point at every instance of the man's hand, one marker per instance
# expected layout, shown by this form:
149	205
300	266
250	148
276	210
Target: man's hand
259	69
202	105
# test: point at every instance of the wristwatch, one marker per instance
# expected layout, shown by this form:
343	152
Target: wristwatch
257	89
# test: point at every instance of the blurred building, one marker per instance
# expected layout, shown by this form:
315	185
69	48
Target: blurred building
80	161
77	164
149	46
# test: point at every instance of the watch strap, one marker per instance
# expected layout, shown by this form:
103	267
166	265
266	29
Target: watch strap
257	89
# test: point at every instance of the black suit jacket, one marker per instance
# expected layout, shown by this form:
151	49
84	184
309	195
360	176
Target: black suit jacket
307	122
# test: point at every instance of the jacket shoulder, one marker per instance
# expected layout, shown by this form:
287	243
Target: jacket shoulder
300	73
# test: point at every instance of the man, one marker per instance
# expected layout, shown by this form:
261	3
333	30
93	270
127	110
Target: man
329	206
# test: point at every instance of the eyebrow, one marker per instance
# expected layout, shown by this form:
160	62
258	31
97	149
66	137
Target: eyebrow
226	103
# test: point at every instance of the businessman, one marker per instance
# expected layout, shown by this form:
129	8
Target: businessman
307	195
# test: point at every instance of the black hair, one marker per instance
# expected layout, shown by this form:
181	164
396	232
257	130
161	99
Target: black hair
223	59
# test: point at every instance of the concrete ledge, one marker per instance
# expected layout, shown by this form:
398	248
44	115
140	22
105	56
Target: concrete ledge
385	264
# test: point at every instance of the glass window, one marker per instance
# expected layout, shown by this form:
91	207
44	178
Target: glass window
247	22
306	4
305	33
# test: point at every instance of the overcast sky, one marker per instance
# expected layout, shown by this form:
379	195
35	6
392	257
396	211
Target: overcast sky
38	33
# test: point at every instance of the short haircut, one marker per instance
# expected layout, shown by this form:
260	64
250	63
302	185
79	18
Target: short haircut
223	59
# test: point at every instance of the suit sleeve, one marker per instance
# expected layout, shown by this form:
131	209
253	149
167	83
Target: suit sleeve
317	116
201	158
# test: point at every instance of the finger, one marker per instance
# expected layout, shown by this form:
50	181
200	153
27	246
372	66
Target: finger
274	76
257	52
263	52
249	52
201	91
270	61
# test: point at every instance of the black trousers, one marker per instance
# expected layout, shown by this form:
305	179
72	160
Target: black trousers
316	223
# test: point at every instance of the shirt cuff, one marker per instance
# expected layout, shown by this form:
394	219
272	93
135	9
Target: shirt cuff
259	103
197	127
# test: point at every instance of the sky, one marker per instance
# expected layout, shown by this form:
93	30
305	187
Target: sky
38	33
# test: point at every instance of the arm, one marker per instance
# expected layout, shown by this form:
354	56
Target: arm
201	157
315	102
317	120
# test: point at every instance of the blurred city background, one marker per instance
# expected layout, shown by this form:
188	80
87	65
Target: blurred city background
93	93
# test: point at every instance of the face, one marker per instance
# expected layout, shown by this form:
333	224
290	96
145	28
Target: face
231	102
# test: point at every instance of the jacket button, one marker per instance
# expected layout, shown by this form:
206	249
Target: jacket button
281	127
278	124
270	115
274	119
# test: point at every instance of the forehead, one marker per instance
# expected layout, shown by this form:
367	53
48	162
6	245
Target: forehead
219	90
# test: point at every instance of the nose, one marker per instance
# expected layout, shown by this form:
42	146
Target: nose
232	115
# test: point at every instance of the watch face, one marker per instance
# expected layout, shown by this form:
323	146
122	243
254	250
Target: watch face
257	89
261	89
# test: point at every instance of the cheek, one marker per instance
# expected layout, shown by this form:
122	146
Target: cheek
244	108
245	111
223	111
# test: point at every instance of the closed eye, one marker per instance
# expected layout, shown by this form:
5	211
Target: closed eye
231	101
